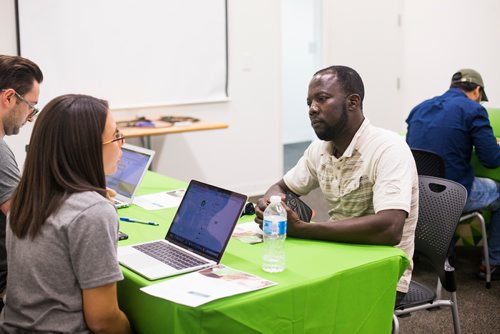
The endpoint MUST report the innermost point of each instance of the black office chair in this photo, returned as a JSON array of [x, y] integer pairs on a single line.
[[441, 203], [428, 163], [431, 164]]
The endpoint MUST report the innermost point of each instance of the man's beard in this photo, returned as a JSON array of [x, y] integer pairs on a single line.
[[335, 130]]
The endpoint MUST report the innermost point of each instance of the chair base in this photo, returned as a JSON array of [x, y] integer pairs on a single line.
[[486, 254], [436, 304], [420, 297]]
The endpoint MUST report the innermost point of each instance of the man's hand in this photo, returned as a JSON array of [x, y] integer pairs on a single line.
[[262, 204], [277, 189], [293, 219], [293, 222]]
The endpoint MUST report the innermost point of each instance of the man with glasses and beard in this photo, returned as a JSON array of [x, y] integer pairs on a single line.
[[20, 79], [366, 174]]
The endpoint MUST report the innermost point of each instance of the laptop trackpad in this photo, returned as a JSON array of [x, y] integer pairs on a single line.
[[147, 265]]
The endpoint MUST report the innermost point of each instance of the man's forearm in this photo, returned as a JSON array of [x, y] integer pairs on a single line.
[[385, 228], [279, 188]]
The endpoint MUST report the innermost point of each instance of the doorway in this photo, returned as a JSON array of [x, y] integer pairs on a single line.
[[301, 57]]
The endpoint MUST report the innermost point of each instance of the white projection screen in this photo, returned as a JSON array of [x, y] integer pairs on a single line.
[[133, 53]]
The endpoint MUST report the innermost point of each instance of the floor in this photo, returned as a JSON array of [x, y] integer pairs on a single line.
[[479, 308]]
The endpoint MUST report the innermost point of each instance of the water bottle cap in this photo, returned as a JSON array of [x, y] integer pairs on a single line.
[[275, 199]]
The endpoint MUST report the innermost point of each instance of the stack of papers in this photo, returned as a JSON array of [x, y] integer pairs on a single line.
[[158, 201], [249, 233], [197, 288]]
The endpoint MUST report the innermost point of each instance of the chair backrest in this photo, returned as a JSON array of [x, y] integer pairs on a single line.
[[428, 163], [440, 206]]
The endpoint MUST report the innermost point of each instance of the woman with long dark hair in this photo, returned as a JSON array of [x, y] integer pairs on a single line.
[[62, 230]]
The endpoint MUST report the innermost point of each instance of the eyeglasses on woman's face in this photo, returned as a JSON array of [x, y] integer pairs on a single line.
[[117, 137]]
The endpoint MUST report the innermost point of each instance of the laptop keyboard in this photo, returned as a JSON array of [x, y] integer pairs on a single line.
[[170, 255]]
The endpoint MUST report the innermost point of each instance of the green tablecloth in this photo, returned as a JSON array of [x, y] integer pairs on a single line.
[[470, 234], [479, 170], [326, 288]]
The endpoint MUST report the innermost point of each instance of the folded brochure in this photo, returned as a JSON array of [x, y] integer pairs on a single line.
[[200, 287]]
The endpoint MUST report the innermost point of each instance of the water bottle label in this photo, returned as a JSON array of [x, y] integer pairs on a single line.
[[267, 227], [282, 227]]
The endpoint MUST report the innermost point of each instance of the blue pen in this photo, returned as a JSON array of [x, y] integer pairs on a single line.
[[129, 220]]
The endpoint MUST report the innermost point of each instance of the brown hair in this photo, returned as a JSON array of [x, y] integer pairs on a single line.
[[64, 157], [18, 73]]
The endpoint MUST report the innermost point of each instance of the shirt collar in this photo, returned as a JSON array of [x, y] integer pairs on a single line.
[[353, 145], [456, 91]]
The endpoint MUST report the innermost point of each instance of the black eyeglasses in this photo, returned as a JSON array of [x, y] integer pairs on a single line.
[[118, 136], [34, 110]]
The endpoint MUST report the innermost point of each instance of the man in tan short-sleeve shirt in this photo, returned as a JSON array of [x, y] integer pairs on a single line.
[[367, 174]]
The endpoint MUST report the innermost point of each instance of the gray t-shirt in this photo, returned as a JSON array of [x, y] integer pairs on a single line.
[[75, 250], [9, 179]]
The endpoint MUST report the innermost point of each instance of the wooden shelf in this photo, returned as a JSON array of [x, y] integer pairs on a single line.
[[130, 132]]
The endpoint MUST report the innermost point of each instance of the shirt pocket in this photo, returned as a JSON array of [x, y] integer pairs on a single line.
[[357, 196], [350, 185]]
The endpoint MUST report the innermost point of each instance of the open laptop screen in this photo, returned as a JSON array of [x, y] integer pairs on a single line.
[[131, 168], [206, 218]]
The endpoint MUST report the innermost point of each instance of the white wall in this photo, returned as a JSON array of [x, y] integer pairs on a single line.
[[365, 35], [443, 36], [301, 40], [8, 46], [248, 156], [419, 44], [435, 39], [7, 27]]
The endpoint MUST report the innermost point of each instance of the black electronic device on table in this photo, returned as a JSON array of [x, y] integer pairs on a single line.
[[302, 209], [122, 236]]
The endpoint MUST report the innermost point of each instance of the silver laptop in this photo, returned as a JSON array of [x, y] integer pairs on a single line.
[[125, 181], [196, 238]]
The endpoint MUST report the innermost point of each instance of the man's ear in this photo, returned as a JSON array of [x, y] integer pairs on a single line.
[[475, 94], [6, 96], [353, 101], [478, 93]]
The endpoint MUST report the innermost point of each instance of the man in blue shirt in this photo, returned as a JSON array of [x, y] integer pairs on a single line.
[[452, 125]]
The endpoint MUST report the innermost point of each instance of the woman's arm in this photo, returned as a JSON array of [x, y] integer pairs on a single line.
[[101, 311]]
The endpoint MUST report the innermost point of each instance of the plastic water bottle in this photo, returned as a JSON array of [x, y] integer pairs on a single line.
[[274, 227]]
